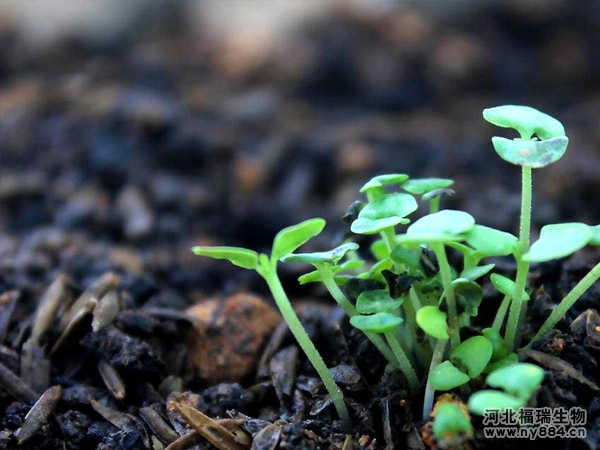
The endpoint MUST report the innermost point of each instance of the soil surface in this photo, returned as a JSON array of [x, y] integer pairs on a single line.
[[117, 158]]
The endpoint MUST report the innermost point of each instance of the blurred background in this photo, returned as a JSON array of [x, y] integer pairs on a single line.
[[130, 131]]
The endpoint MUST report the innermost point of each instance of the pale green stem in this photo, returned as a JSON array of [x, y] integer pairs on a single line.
[[501, 313], [561, 309], [313, 355], [440, 254], [350, 310], [403, 361], [512, 336], [389, 236], [436, 359], [434, 205]]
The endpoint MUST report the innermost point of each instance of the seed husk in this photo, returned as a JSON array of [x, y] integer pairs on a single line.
[[158, 425], [38, 414], [112, 379]]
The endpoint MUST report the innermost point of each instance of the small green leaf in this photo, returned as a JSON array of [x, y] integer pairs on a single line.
[[446, 376], [500, 350], [376, 301], [468, 295], [480, 401], [559, 240], [491, 242], [420, 186], [520, 380], [445, 222], [329, 257], [241, 257], [530, 153], [384, 212], [290, 238], [476, 272], [433, 322], [383, 180], [526, 120], [450, 424], [310, 277], [506, 286], [474, 354], [379, 249], [376, 323]]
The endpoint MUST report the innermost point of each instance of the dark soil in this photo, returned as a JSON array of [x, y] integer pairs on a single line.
[[117, 158]]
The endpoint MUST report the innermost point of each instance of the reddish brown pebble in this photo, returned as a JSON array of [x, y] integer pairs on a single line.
[[228, 335]]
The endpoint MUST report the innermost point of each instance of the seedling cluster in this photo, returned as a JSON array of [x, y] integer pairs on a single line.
[[419, 307]]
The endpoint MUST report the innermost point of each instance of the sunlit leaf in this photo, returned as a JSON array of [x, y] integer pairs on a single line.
[[473, 355], [241, 257], [290, 238], [520, 380], [559, 240], [526, 120], [433, 322], [446, 376], [491, 242]]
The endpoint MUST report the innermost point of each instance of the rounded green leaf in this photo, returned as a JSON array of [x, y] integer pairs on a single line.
[[491, 242], [480, 401], [329, 257], [520, 380], [290, 238], [506, 286], [241, 257], [375, 301], [559, 240], [473, 273], [386, 211], [526, 120], [468, 295], [403, 255], [383, 180], [376, 323], [473, 355], [446, 376], [445, 222], [530, 153], [500, 350], [420, 186], [433, 322], [451, 423]]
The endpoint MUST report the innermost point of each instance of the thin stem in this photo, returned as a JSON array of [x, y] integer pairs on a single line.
[[313, 355], [434, 205], [436, 359], [512, 336], [389, 236], [403, 361], [569, 300], [440, 254], [350, 310], [501, 313]]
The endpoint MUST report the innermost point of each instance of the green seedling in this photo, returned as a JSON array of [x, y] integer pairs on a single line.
[[518, 383], [451, 425], [411, 302], [285, 242]]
